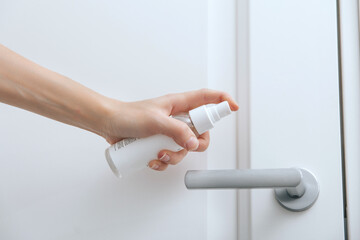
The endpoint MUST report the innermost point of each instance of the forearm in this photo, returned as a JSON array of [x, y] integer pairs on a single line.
[[27, 85]]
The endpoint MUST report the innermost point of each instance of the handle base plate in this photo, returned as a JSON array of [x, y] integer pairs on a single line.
[[304, 202]]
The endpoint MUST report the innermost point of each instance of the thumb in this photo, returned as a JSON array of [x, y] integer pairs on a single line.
[[181, 134]]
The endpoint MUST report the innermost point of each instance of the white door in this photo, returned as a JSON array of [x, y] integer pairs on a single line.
[[286, 67], [54, 179], [280, 58], [293, 113]]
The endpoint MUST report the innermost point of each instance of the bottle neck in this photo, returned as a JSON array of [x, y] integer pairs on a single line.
[[184, 117]]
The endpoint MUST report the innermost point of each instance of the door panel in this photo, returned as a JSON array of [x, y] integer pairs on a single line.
[[294, 113]]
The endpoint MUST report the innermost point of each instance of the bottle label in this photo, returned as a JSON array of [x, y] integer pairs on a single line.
[[124, 143]]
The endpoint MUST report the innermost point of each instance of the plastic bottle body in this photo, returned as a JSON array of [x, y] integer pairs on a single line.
[[126, 158], [133, 154]]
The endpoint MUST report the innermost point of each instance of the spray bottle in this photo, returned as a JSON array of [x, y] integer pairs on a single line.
[[133, 154]]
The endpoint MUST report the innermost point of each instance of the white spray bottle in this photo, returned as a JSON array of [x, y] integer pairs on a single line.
[[133, 154]]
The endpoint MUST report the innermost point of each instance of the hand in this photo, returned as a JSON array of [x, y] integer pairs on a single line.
[[150, 117], [27, 85]]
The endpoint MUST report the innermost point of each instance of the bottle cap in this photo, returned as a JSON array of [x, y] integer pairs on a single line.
[[204, 117]]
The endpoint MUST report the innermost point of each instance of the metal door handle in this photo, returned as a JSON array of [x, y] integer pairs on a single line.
[[295, 189]]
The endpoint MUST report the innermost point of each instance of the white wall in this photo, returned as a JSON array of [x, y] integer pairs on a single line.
[[54, 179]]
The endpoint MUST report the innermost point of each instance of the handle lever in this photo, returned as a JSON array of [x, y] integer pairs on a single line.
[[295, 189]]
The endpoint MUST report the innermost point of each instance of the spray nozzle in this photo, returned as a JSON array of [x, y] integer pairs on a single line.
[[204, 117]]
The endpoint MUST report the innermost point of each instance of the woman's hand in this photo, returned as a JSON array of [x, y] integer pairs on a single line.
[[29, 86], [150, 117]]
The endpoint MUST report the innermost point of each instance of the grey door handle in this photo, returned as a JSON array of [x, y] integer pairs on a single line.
[[295, 189]]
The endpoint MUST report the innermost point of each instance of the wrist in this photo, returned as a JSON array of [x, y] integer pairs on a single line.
[[93, 114], [103, 109]]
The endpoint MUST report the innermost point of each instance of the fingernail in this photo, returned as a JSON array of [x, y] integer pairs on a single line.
[[192, 144], [165, 158], [155, 166]]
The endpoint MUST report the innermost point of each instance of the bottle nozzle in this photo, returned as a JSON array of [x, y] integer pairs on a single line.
[[205, 117], [223, 109]]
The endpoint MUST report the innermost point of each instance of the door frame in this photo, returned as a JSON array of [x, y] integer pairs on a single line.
[[228, 70], [222, 218], [350, 83]]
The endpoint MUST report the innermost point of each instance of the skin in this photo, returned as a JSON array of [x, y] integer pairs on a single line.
[[26, 85]]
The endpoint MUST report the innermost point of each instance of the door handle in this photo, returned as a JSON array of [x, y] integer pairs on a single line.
[[295, 189]]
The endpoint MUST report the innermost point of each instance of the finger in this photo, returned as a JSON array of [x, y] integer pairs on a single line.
[[157, 165], [184, 102], [204, 141], [170, 157], [180, 132]]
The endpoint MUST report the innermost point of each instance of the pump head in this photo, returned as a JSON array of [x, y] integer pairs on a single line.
[[204, 117]]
